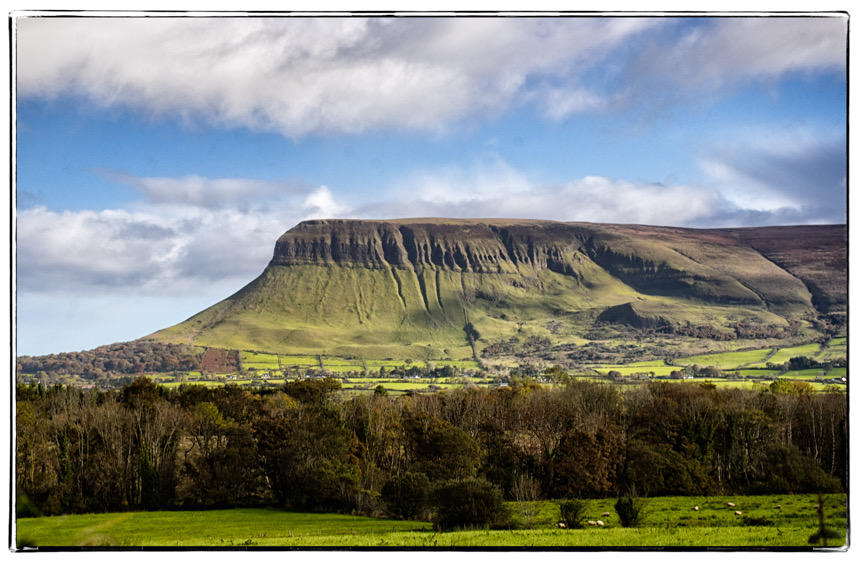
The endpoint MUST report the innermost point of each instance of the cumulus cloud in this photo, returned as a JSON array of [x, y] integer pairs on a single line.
[[158, 248], [320, 204], [315, 75], [301, 76], [493, 188]]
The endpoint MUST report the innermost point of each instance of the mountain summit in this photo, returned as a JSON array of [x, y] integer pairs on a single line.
[[453, 288]]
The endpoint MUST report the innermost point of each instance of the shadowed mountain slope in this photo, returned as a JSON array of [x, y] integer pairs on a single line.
[[439, 288]]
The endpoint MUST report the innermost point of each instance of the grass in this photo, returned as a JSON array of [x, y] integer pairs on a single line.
[[637, 368], [837, 348], [669, 522], [727, 360], [234, 527], [759, 372], [782, 355]]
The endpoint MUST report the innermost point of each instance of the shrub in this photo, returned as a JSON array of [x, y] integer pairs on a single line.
[[407, 496], [469, 503], [572, 512], [630, 511]]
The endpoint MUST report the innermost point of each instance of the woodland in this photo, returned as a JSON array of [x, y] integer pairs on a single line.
[[306, 447]]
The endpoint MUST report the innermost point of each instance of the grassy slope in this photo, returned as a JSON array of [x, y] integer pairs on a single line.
[[393, 313]]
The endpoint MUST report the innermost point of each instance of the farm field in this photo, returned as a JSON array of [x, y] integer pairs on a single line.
[[658, 367], [765, 521], [784, 355], [727, 360], [836, 348]]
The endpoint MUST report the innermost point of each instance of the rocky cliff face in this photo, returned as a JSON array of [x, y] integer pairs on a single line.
[[480, 247]]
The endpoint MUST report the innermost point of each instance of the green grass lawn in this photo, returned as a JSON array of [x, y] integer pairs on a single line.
[[668, 521]]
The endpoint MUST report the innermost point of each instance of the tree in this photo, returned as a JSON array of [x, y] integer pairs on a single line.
[[310, 457], [572, 512], [312, 391], [407, 496], [791, 387], [630, 511], [439, 449], [469, 503]]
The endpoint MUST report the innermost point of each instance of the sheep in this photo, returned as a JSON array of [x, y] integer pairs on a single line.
[[592, 522], [776, 507], [562, 525], [599, 523], [737, 513], [730, 504], [696, 508], [605, 514]]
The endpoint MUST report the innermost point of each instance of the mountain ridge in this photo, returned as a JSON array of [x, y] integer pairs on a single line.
[[373, 287]]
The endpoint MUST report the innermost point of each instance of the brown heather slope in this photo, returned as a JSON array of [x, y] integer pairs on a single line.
[[437, 288], [816, 254]]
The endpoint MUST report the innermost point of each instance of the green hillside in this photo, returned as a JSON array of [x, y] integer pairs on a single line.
[[436, 289]]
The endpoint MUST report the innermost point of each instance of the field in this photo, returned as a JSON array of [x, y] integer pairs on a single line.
[[727, 360], [783, 355], [669, 521]]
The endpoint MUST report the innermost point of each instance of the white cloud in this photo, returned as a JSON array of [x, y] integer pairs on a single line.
[[724, 52], [563, 102], [305, 75], [321, 205], [160, 249], [300, 76], [495, 189], [199, 191]]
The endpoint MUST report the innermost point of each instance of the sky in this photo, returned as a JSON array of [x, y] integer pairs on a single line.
[[158, 159]]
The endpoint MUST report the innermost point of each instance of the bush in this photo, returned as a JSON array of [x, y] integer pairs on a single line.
[[630, 511], [469, 503], [407, 496], [572, 511]]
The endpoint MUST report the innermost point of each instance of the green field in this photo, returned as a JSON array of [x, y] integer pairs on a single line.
[[658, 367], [669, 521], [727, 360], [759, 373], [837, 348], [783, 355]]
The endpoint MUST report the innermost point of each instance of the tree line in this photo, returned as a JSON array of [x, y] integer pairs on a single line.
[[306, 447], [130, 358]]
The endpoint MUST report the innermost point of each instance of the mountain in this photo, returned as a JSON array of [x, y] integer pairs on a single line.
[[448, 288]]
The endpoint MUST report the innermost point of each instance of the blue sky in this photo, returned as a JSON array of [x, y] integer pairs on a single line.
[[159, 159]]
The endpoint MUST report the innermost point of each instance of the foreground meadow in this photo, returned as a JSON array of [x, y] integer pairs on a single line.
[[779, 521]]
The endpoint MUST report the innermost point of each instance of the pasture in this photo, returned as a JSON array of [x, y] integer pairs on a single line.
[[763, 521], [727, 360]]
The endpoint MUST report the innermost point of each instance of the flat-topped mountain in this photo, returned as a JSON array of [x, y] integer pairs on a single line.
[[442, 288]]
